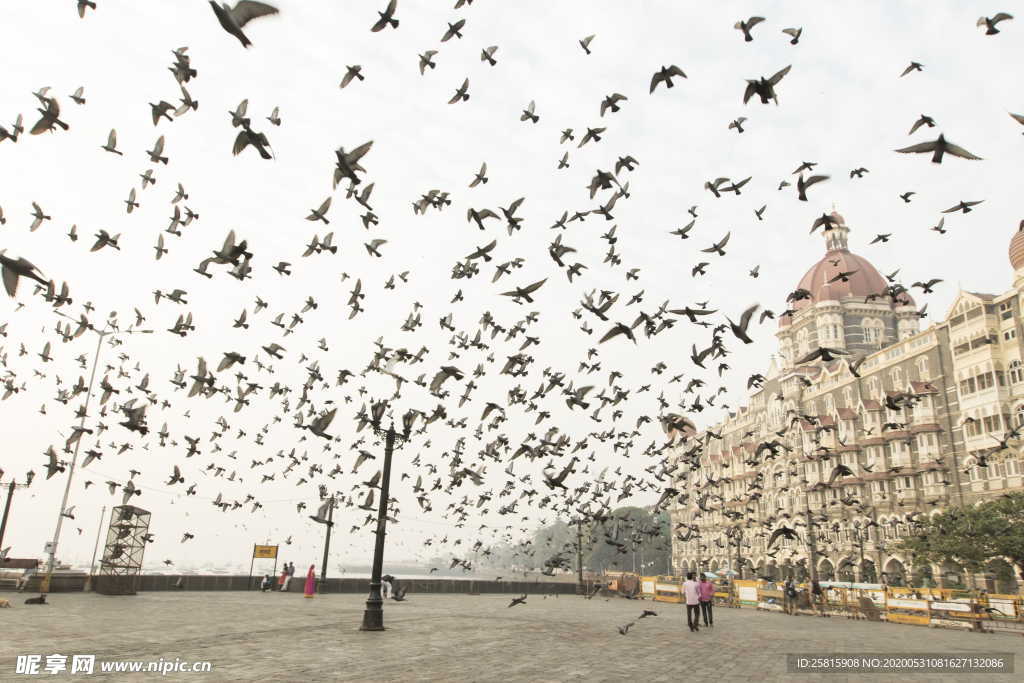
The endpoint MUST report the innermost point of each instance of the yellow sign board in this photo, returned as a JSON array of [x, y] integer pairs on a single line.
[[264, 551], [900, 618]]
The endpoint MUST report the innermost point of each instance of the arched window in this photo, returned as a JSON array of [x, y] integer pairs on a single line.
[[874, 330], [922, 368], [896, 377], [1016, 372], [830, 329], [1020, 414], [803, 342], [976, 472], [874, 388], [787, 350]]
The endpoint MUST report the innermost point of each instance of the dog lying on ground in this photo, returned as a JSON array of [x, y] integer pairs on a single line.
[[41, 600], [4, 603]]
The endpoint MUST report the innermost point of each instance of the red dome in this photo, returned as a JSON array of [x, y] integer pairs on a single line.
[[864, 281], [1017, 248]]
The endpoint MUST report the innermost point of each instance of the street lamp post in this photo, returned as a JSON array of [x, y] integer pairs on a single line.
[[327, 543], [860, 546], [738, 538], [44, 586], [812, 548], [7, 508], [373, 616], [579, 556]]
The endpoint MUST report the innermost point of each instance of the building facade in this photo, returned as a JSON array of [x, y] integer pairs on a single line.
[[910, 429]]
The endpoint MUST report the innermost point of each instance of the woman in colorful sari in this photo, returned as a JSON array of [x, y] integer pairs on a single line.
[[310, 582]]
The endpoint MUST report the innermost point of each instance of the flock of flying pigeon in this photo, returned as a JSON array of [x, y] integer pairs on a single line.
[[332, 463]]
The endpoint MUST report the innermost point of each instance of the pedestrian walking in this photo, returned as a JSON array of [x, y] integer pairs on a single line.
[[386, 585], [691, 591], [289, 572], [789, 596], [310, 588], [707, 595]]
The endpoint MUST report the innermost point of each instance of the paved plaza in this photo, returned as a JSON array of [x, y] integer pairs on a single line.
[[251, 636]]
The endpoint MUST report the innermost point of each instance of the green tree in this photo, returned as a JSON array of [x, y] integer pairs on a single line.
[[632, 537], [974, 535], [1009, 543]]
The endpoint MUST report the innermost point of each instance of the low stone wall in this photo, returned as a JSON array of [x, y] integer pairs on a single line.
[[63, 582], [197, 582]]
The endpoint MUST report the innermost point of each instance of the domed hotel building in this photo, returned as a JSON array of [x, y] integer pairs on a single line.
[[910, 428]]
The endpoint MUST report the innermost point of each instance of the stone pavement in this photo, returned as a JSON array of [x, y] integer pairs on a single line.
[[250, 636]]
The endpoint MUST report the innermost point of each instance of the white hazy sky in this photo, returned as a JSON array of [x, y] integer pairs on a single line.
[[843, 105]]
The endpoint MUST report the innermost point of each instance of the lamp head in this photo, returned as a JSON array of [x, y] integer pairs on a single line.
[[377, 413], [407, 422]]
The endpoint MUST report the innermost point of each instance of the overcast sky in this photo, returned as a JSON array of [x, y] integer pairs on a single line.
[[843, 105]]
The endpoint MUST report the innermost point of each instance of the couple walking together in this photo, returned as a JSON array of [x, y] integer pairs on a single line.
[[699, 596]]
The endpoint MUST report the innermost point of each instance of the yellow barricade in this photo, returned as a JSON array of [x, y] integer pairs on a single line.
[[647, 586], [769, 599], [746, 592], [903, 610], [668, 589], [1004, 607], [900, 605]]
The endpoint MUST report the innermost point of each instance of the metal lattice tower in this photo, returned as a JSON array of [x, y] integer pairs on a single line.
[[123, 551]]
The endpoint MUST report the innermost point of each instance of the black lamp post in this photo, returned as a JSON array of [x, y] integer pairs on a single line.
[[737, 538], [373, 616], [7, 508], [812, 546], [327, 543], [580, 589], [861, 534]]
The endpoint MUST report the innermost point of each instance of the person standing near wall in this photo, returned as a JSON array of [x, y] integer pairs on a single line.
[[310, 587], [817, 595], [691, 592]]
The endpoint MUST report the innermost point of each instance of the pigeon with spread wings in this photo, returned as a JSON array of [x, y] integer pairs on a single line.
[[525, 292], [782, 532], [938, 148], [233, 19], [13, 269], [387, 17], [665, 75], [765, 87]]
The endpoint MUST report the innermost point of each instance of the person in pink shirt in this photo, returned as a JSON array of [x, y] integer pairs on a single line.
[[691, 591], [707, 595]]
